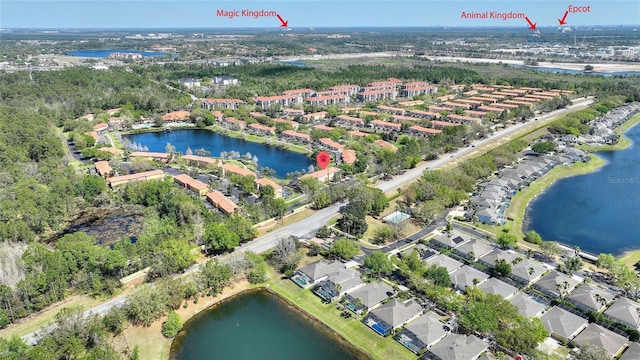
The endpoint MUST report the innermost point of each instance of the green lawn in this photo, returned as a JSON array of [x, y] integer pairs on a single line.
[[258, 139], [352, 329], [520, 201]]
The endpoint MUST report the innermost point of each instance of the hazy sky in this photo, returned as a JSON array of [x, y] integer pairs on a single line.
[[303, 13]]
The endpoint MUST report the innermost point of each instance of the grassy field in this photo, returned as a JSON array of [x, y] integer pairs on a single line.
[[631, 258], [352, 330], [520, 201]]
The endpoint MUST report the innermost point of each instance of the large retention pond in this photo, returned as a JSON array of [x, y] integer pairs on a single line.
[[599, 211], [255, 325], [278, 159]]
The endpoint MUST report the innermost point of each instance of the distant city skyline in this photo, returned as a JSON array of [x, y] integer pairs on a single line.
[[165, 14]]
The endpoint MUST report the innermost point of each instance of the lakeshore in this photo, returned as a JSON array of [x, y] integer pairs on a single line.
[[519, 204]]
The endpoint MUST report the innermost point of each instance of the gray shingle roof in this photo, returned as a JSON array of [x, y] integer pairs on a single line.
[[490, 258], [427, 328], [465, 276], [527, 270], [459, 347], [632, 352], [562, 323], [498, 287], [320, 269], [396, 312], [557, 283], [452, 241], [444, 261], [590, 297], [348, 279], [527, 306], [373, 293], [625, 311], [597, 335], [477, 247]]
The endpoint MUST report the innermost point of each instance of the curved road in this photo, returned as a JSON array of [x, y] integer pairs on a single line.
[[321, 217]]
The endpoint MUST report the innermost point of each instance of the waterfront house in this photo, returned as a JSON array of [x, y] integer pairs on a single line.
[[223, 203], [277, 189], [596, 335], [467, 276], [562, 324], [368, 296], [589, 297], [392, 315], [527, 306], [444, 261], [625, 311], [338, 284], [200, 160], [235, 169], [261, 129], [176, 116], [556, 284], [233, 123], [457, 347], [143, 176], [422, 332], [313, 273], [192, 184], [325, 175], [498, 287]]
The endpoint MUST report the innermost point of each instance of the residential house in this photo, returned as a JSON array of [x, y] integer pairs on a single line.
[[443, 124], [294, 113], [632, 352], [233, 123], [338, 284], [313, 273], [277, 189], [225, 80], [385, 126], [189, 83], [527, 271], [562, 324], [349, 121], [527, 306], [489, 259], [368, 297], [596, 335], [327, 100], [261, 129], [200, 160], [228, 169], [304, 93], [420, 131], [467, 276], [498, 287], [358, 133], [473, 249], [461, 119], [417, 88], [349, 156], [375, 94], [93, 134], [294, 125], [314, 116], [387, 317], [176, 116], [143, 176], [325, 175], [101, 127], [450, 241], [423, 114], [192, 184], [163, 157], [386, 145], [589, 297], [457, 347], [422, 332], [556, 284], [489, 216], [349, 89], [291, 135], [331, 145], [223, 203], [266, 102], [625, 311], [212, 104], [391, 110], [323, 127], [444, 261], [103, 168]]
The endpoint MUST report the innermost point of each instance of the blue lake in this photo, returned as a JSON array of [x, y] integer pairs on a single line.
[[278, 159], [256, 325], [105, 53], [599, 211]]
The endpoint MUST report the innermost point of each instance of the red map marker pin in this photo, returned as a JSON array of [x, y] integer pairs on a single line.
[[323, 159]]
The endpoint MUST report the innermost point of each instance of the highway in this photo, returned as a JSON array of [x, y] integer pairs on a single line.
[[319, 218]]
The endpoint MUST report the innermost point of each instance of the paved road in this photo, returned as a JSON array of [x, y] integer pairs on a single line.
[[321, 217]]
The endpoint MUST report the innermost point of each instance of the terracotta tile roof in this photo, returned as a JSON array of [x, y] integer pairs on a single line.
[[93, 134], [101, 126], [237, 170], [111, 150], [103, 167], [386, 124], [331, 144], [317, 115], [262, 127], [190, 182], [424, 129], [113, 111], [443, 123], [358, 133], [202, 159], [133, 177], [386, 145], [350, 119], [456, 117], [323, 127], [297, 135], [176, 115], [320, 174], [349, 156], [155, 155], [269, 182], [222, 202]]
